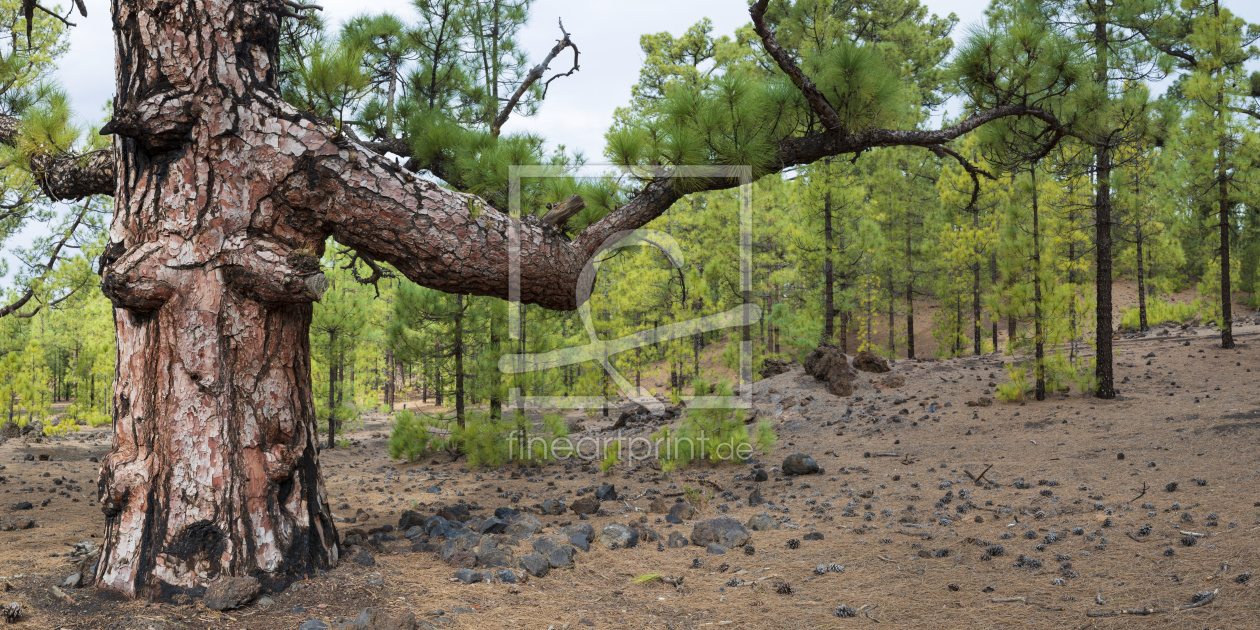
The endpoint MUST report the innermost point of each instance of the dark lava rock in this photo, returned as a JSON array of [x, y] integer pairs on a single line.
[[494, 525], [585, 505], [618, 536], [762, 522], [468, 576], [868, 361], [715, 548], [812, 536], [561, 557], [826, 363], [759, 475], [606, 492], [677, 540], [25, 505], [554, 507], [229, 593], [581, 530], [364, 558], [682, 511], [727, 532], [409, 519], [535, 564], [800, 464], [774, 367], [372, 619]]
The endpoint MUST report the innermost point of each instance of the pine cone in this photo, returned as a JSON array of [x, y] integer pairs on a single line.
[[12, 613]]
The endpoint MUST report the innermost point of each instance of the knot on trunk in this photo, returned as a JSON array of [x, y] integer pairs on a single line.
[[274, 274], [132, 281], [160, 123]]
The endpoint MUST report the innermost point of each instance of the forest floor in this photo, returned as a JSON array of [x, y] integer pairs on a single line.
[[1188, 413]]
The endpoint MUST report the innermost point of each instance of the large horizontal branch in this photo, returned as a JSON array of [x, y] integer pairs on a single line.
[[65, 176], [455, 242]]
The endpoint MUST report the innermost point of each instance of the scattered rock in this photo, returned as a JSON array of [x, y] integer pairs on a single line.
[[585, 505], [232, 592], [618, 536], [868, 361], [677, 541], [826, 363], [682, 512], [763, 522], [535, 564], [800, 464], [725, 531], [606, 492], [372, 619], [774, 367], [554, 507], [468, 576], [715, 548], [364, 558]]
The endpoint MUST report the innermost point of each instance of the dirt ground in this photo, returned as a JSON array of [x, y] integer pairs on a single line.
[[917, 552]]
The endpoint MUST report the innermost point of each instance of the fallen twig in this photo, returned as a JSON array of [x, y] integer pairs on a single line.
[[60, 594], [1195, 534], [1008, 600], [1135, 538], [977, 478], [885, 455], [1141, 494], [1151, 610]]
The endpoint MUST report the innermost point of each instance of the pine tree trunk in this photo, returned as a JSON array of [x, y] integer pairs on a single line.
[[909, 321], [1103, 354], [829, 276], [975, 290], [1227, 297], [459, 359], [1039, 347], [215, 469], [1141, 281]]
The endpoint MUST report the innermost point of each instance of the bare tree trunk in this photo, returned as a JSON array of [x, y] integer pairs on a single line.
[[975, 289], [829, 276], [459, 359], [1103, 356], [909, 321], [1039, 348]]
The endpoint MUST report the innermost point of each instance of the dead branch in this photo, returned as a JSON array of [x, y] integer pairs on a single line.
[[563, 211], [534, 75], [977, 478], [1151, 610], [1140, 494]]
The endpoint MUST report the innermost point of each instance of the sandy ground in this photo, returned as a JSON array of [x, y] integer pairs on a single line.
[[1190, 414]]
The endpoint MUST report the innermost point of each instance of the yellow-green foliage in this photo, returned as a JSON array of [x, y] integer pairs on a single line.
[[612, 456], [1160, 311], [410, 438], [712, 435], [1014, 389], [66, 426]]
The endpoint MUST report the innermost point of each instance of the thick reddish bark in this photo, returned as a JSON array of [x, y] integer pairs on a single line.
[[214, 470]]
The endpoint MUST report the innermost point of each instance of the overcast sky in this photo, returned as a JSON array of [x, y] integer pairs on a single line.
[[578, 109]]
